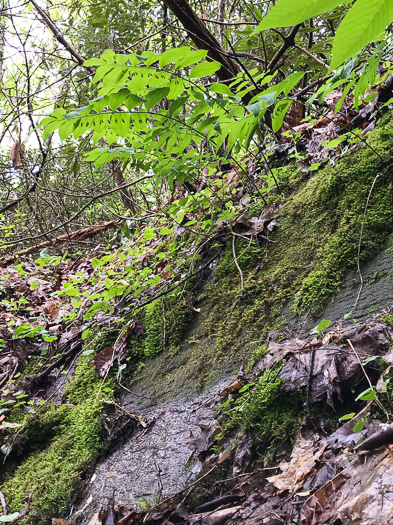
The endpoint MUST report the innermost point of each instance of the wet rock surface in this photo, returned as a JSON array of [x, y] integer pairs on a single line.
[[155, 460]]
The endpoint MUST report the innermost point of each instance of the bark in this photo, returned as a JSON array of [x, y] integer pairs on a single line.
[[202, 37], [220, 18], [120, 181]]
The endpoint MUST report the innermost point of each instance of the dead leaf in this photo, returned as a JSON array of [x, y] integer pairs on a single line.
[[95, 519], [137, 329], [103, 361], [16, 154]]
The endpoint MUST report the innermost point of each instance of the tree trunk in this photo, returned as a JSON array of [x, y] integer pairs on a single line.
[[202, 37], [119, 180]]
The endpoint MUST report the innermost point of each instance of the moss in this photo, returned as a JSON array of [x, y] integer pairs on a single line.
[[63, 441], [316, 243], [388, 319], [85, 382], [172, 311], [273, 416]]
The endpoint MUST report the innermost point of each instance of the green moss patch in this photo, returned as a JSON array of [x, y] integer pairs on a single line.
[[316, 243], [63, 442]]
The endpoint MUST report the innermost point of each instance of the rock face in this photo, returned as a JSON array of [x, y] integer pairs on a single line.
[[157, 460], [375, 295]]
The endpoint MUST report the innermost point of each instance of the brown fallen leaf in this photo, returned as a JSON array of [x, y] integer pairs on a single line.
[[16, 154], [95, 519]]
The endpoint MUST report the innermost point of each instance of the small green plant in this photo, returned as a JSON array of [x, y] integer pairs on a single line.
[[349, 316], [321, 327]]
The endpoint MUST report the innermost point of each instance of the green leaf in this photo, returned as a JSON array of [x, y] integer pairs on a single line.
[[132, 101], [66, 129], [117, 99], [323, 325], [347, 416], [225, 404], [173, 55], [204, 69], [223, 89], [367, 395], [246, 387], [85, 334], [292, 12], [255, 108], [155, 96], [97, 262], [176, 104], [34, 285], [102, 71], [22, 330], [364, 23], [72, 291], [94, 62], [358, 427], [370, 359], [279, 112], [149, 234], [191, 58], [101, 305]]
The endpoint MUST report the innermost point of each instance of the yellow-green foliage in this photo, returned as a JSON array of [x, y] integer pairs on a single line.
[[62, 441], [342, 193]]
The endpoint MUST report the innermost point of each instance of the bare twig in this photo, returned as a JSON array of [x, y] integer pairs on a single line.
[[59, 37], [361, 238], [237, 264], [163, 325], [3, 504], [222, 23], [368, 379]]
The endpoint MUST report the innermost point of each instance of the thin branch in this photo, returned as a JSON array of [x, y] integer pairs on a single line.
[[59, 37], [220, 23], [361, 238], [313, 57], [289, 41], [99, 196], [237, 265]]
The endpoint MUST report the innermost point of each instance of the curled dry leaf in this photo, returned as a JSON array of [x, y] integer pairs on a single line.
[[16, 154]]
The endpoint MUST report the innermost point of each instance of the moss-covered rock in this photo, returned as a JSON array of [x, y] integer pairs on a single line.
[[63, 441]]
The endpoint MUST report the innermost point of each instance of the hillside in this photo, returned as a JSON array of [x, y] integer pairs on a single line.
[[195, 266]]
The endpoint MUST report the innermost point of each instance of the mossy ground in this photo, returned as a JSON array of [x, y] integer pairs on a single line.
[[316, 243], [272, 416]]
